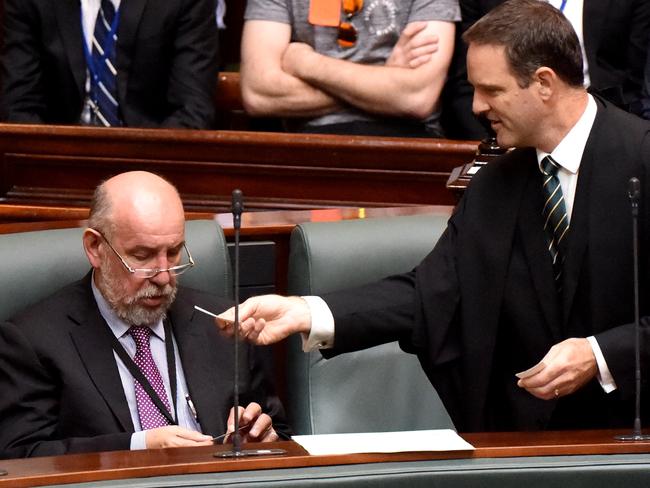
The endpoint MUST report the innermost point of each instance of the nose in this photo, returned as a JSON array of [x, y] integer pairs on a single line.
[[162, 278], [479, 106]]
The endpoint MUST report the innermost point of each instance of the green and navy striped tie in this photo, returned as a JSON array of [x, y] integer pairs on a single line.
[[556, 220]]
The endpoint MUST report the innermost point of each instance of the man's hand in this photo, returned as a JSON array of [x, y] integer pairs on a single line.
[[267, 319], [413, 48], [175, 436], [568, 366], [254, 425]]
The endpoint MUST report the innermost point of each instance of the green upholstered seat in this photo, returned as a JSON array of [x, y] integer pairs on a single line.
[[378, 389]]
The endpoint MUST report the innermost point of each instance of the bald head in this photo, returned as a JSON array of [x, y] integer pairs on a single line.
[[136, 200]]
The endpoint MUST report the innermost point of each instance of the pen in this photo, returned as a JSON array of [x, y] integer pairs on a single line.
[[211, 314], [190, 404]]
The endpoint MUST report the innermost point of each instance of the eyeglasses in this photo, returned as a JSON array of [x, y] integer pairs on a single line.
[[151, 272], [347, 36]]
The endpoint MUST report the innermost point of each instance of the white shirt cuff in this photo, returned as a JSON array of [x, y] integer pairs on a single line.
[[604, 376], [321, 334], [138, 440]]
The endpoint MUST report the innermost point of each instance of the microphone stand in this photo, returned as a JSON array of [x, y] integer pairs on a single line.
[[634, 193], [237, 452]]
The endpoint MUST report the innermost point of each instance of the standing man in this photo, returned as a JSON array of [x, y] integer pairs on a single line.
[[377, 69], [119, 360], [613, 35], [134, 63], [534, 272]]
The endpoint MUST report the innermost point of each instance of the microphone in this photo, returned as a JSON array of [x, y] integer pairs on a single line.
[[237, 208], [634, 192]]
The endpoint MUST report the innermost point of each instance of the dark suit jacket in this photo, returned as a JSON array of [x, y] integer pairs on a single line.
[[61, 389], [616, 34], [166, 62], [483, 305]]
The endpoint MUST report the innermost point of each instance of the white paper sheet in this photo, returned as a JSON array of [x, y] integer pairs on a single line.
[[409, 441]]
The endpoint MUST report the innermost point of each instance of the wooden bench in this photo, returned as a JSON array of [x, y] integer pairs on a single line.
[[49, 172]]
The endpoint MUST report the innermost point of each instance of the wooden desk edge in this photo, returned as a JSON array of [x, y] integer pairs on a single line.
[[78, 468]]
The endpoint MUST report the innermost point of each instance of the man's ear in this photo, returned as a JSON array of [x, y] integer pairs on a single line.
[[91, 241], [546, 80]]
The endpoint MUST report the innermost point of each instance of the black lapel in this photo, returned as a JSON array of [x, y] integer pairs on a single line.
[[130, 17], [68, 16], [531, 227], [92, 341], [207, 384], [579, 231]]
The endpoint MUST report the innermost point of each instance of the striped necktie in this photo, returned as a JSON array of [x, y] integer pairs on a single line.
[[103, 83], [556, 220]]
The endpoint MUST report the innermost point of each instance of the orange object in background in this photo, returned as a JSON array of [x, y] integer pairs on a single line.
[[325, 12]]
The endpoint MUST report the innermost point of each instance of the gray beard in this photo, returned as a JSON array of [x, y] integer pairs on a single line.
[[127, 308]]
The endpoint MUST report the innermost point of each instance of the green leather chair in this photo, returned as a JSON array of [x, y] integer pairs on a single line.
[[379, 389], [36, 264]]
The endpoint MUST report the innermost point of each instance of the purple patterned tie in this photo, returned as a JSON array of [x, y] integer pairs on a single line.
[[150, 416]]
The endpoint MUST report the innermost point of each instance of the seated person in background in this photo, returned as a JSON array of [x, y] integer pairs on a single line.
[[140, 63], [379, 72], [613, 36], [68, 365], [515, 284]]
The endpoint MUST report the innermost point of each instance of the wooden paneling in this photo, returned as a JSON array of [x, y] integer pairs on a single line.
[[47, 169]]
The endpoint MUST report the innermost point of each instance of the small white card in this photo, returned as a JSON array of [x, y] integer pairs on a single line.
[[531, 371], [373, 442]]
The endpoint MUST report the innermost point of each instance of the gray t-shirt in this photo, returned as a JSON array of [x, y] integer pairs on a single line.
[[378, 26]]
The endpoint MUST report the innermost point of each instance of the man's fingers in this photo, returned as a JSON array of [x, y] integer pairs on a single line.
[[413, 29]]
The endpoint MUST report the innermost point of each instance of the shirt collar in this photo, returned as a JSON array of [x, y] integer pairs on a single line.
[[116, 324], [568, 153]]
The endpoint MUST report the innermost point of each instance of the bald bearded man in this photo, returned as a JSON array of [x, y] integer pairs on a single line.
[[69, 366]]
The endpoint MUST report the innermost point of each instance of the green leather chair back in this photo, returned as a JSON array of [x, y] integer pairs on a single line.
[[379, 389], [36, 264]]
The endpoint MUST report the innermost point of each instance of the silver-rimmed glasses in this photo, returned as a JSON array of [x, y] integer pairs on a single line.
[[151, 272]]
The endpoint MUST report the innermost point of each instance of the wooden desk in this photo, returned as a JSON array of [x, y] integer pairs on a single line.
[[49, 172], [183, 461]]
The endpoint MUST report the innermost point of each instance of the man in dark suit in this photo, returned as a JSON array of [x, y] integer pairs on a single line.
[[533, 275], [615, 36], [69, 365], [165, 62]]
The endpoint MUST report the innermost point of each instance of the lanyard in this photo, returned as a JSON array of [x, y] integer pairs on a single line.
[[108, 48], [140, 378], [563, 5]]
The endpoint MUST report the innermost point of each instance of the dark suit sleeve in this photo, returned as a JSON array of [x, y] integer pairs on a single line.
[[618, 343], [30, 405], [193, 70], [23, 96]]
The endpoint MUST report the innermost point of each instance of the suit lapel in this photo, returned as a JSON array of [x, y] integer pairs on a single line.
[[94, 346], [531, 227], [206, 386], [578, 231], [130, 17], [68, 16]]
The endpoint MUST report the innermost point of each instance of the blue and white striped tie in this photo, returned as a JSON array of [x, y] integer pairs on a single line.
[[103, 84], [556, 220]]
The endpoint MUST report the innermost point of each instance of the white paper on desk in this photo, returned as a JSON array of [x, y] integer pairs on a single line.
[[408, 441]]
